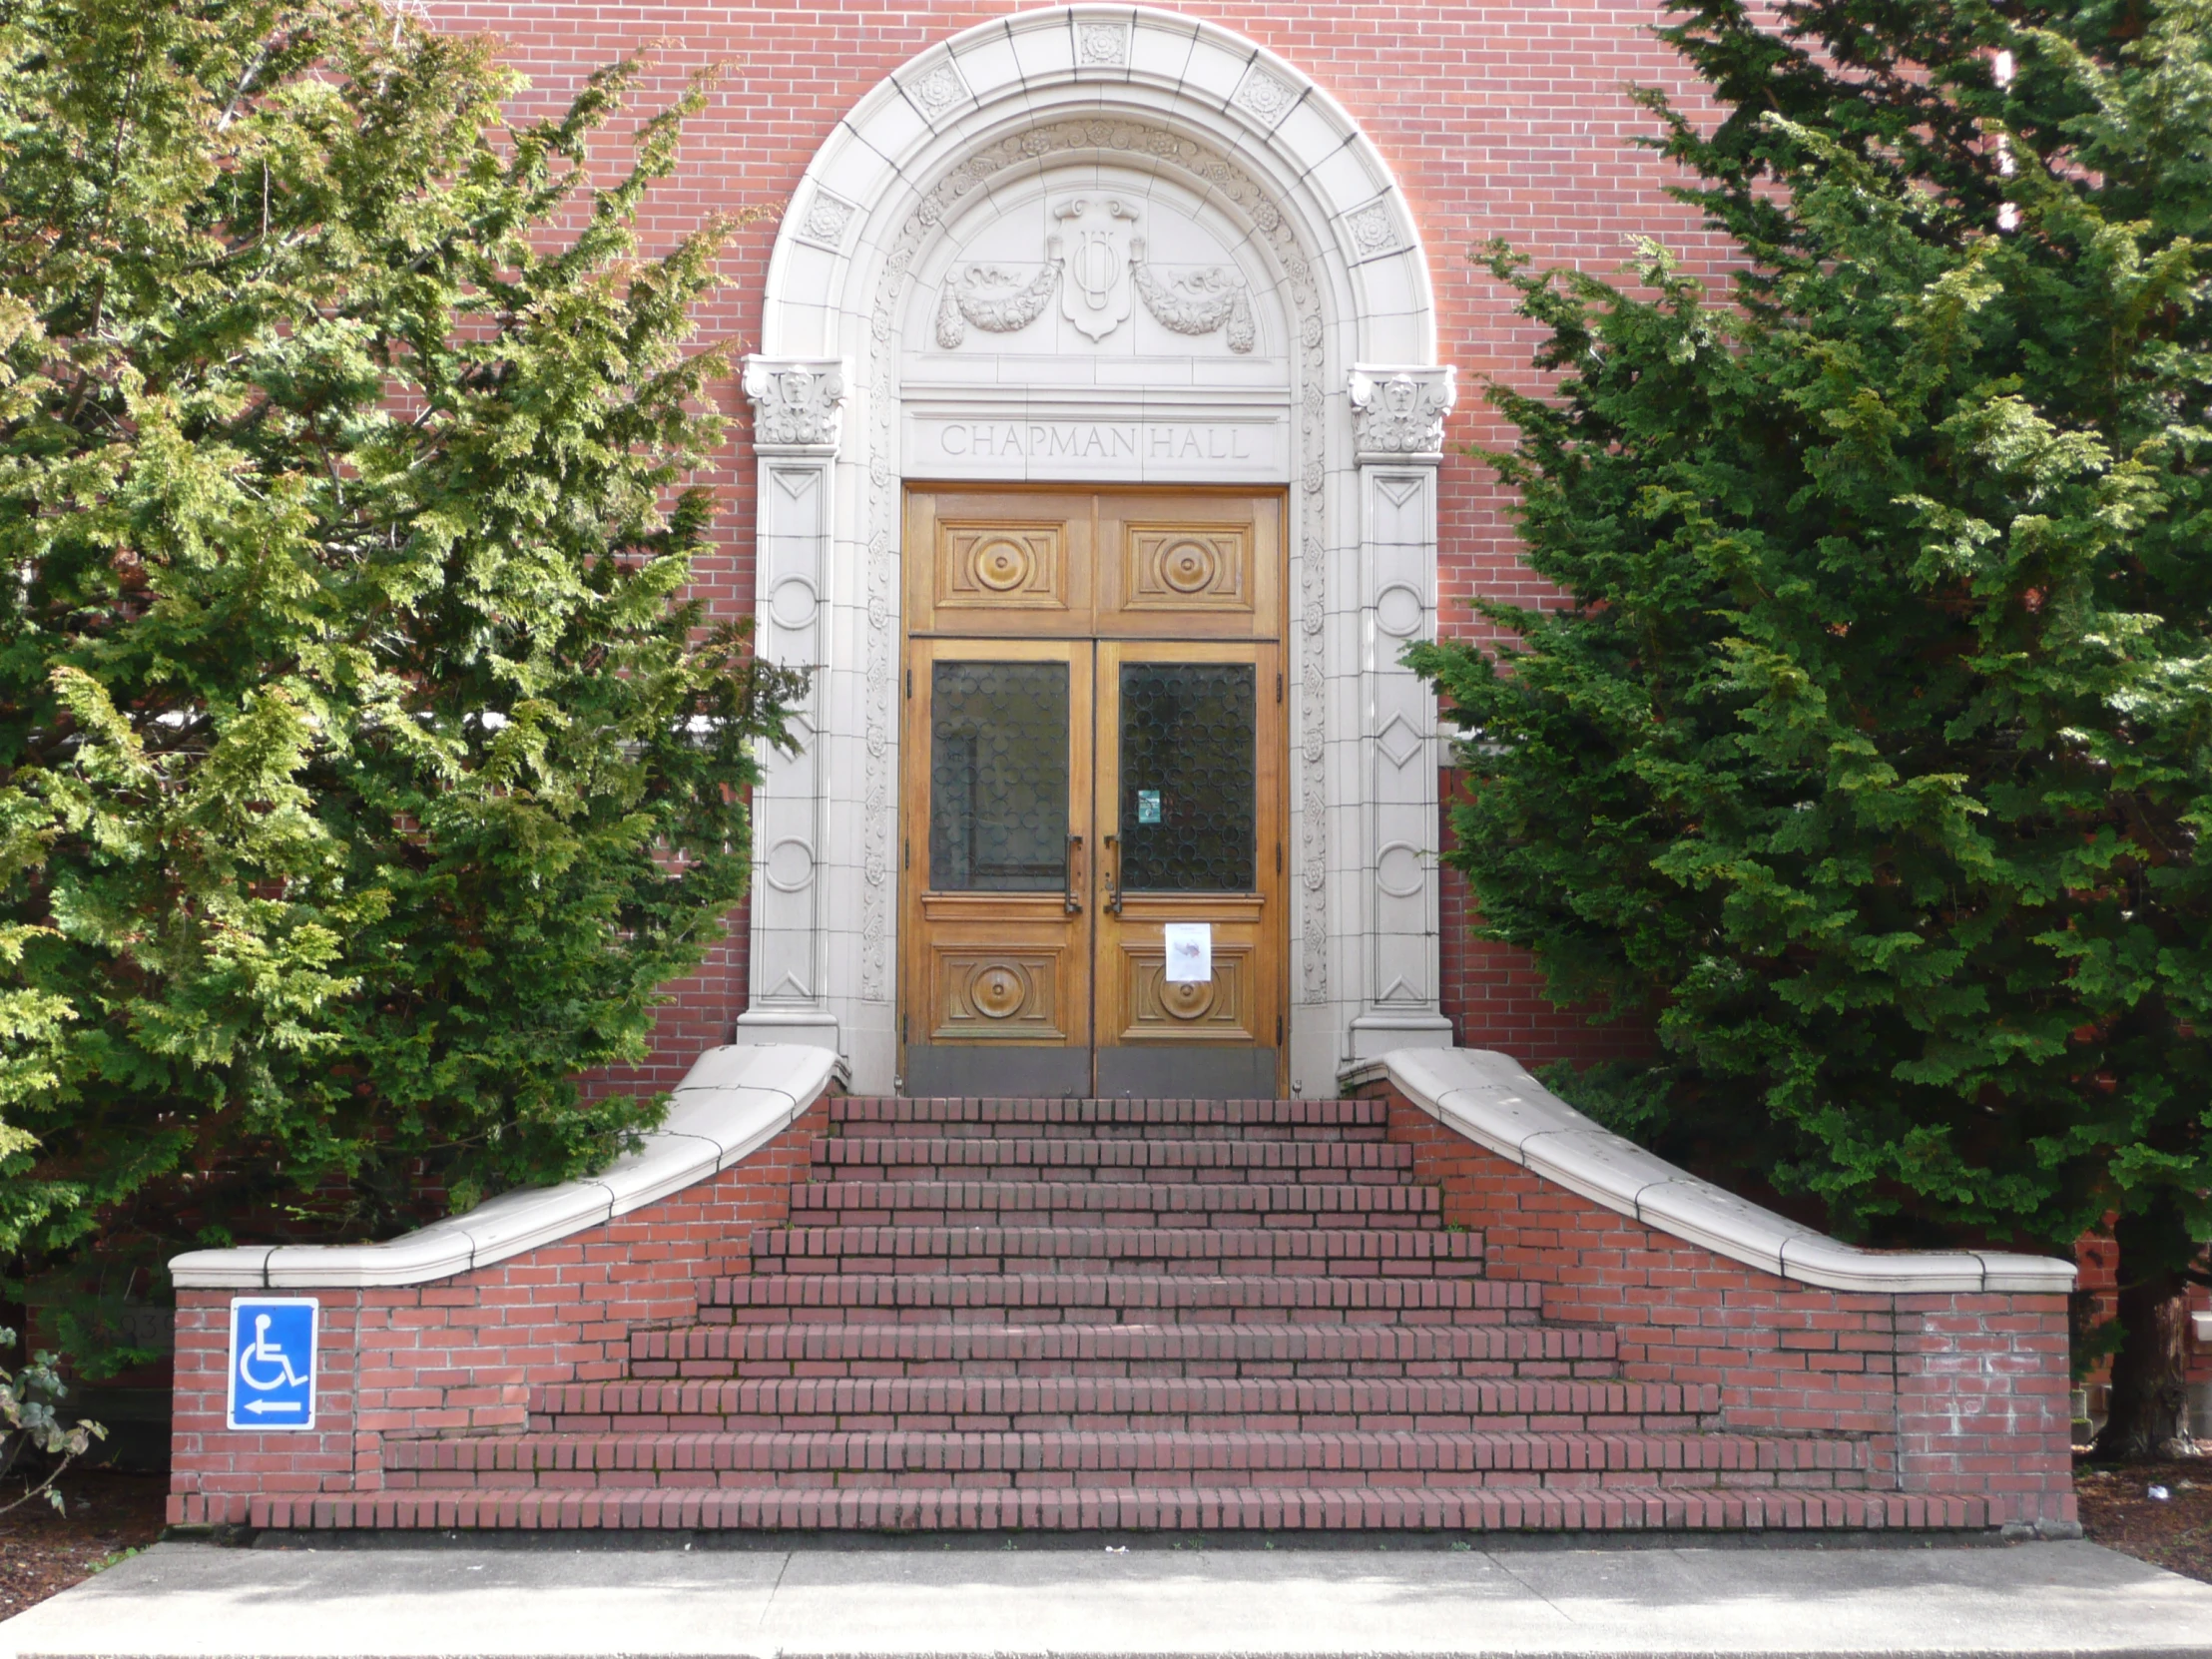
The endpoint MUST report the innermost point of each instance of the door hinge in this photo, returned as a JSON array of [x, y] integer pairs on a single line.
[[902, 1028], [1278, 1030], [1278, 858], [1278, 685], [907, 855], [911, 687]]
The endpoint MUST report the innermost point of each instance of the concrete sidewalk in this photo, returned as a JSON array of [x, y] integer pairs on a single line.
[[201, 1602]]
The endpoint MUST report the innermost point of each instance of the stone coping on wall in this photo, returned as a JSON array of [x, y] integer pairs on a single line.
[[1492, 1100], [731, 1102]]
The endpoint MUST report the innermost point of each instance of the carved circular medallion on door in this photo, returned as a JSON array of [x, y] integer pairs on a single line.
[[1001, 565], [1190, 1000], [998, 990], [1188, 566]]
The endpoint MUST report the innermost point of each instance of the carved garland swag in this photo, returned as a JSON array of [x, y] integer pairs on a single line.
[[1000, 302]]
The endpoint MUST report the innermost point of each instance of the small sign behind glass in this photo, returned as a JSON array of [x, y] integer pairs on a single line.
[[1148, 806]]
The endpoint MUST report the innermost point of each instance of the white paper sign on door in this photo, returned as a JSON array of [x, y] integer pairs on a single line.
[[1190, 952]]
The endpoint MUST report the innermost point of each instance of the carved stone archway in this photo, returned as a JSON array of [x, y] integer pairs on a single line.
[[1251, 160]]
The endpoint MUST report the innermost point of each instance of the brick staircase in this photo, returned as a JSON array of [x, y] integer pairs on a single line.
[[1127, 1315]]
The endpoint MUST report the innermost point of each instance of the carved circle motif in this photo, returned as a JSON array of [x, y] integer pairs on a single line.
[[1000, 565], [1188, 566], [791, 603], [1398, 870], [791, 866], [998, 990], [1192, 999], [1397, 610]]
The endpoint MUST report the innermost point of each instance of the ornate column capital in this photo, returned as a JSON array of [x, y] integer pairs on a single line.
[[797, 404], [1398, 413]]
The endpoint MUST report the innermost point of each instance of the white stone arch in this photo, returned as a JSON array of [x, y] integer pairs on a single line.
[[992, 109]]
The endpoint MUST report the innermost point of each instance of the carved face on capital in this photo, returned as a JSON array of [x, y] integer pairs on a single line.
[[1399, 395]]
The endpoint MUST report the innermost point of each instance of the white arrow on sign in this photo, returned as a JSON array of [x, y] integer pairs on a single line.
[[271, 1406]]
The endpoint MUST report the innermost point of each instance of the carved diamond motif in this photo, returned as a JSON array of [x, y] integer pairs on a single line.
[[1399, 742]]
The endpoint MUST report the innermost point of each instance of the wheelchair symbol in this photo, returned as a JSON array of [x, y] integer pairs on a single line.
[[273, 1362], [261, 1348]]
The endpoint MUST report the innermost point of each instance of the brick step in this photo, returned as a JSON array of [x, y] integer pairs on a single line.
[[1367, 1252], [1105, 1298], [1092, 1456], [1358, 1507], [935, 1158], [1074, 1350], [1102, 1203], [1008, 1403], [1366, 1120]]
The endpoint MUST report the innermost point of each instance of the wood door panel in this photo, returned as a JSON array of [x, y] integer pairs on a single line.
[[997, 992], [1200, 568], [986, 563], [1189, 566], [992, 566], [1221, 1010]]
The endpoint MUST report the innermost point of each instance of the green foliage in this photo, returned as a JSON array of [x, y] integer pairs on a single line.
[[362, 769], [29, 1422], [1869, 751]]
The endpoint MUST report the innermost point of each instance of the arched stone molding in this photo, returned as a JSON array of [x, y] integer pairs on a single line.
[[1273, 173]]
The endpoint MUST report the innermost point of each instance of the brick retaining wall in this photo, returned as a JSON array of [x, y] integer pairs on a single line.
[[1961, 1394], [462, 1355]]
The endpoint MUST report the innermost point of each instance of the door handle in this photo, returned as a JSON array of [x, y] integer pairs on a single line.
[[1076, 875], [1109, 872]]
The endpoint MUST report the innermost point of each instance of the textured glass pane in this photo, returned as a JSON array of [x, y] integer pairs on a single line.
[[1187, 780], [998, 777]]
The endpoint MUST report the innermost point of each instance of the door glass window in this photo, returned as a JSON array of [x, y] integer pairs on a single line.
[[998, 777], [1189, 787]]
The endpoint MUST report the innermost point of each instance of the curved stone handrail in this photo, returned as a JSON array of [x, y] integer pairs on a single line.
[[731, 1102], [1495, 1102]]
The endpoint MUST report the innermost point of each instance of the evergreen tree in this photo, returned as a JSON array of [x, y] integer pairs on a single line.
[[364, 769], [1869, 754]]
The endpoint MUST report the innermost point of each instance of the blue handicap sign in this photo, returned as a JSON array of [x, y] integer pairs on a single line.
[[273, 1341]]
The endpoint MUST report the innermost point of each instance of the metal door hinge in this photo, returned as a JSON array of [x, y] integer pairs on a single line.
[[1278, 1030], [907, 850], [911, 686], [902, 1027], [1278, 685]]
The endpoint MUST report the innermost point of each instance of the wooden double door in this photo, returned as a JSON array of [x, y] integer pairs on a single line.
[[1094, 773]]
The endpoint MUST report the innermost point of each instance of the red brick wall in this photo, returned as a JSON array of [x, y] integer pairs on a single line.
[[463, 1352], [1498, 120], [1962, 1396]]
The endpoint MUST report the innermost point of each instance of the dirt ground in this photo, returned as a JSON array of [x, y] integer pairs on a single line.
[[42, 1554], [109, 1515], [2174, 1532]]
